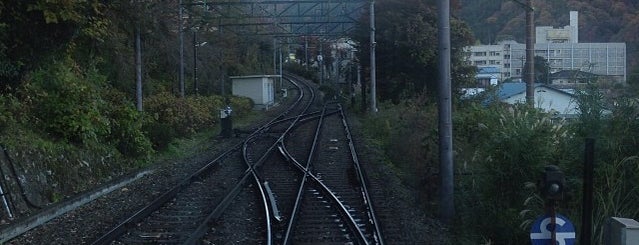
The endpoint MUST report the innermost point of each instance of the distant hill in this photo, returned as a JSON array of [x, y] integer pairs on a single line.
[[599, 21]]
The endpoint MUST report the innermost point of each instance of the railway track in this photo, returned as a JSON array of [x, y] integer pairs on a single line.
[[332, 204], [296, 179]]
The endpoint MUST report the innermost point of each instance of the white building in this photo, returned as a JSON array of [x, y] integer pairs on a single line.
[[547, 98], [259, 88], [567, 34], [486, 55], [560, 48]]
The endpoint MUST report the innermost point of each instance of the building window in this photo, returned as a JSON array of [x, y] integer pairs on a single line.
[[479, 53], [507, 56], [506, 65]]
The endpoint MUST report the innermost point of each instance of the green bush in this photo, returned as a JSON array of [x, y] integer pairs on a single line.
[[499, 154], [127, 124], [171, 117], [408, 134], [616, 178], [66, 103], [503, 150], [174, 117], [79, 107], [10, 111], [160, 134], [241, 105]]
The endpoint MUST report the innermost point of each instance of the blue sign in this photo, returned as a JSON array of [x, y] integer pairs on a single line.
[[541, 231]]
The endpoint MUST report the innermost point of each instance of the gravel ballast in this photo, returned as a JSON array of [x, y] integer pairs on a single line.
[[402, 222]]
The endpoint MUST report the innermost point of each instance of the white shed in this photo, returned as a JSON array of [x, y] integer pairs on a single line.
[[259, 88]]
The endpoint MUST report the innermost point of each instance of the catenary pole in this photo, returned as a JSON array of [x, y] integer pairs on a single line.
[[181, 78], [530, 53], [306, 51], [588, 179], [281, 66], [447, 205], [138, 68], [373, 72], [195, 44], [321, 62]]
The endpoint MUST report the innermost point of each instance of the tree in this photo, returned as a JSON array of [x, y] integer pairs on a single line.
[[406, 36], [33, 30], [542, 70]]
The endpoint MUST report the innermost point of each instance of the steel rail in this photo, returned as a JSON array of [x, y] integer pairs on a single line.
[[363, 180], [280, 141], [217, 212], [122, 227], [265, 201], [219, 209], [259, 183], [300, 191], [118, 230], [327, 191]]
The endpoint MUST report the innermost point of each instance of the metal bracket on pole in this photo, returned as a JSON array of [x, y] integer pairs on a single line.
[[527, 7]]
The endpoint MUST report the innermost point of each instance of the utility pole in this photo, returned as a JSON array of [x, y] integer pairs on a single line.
[[195, 44], [274, 56], [529, 76], [586, 210], [447, 204], [321, 62], [373, 73], [222, 75], [281, 66], [181, 78], [530, 53], [138, 67], [306, 51]]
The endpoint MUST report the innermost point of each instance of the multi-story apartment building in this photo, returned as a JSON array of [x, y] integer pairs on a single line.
[[560, 48]]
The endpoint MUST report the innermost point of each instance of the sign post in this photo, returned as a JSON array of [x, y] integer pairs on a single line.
[[543, 229]]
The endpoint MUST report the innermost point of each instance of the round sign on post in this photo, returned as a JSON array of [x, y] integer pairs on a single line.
[[541, 231]]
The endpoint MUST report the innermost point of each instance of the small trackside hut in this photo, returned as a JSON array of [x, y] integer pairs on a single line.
[[259, 88]]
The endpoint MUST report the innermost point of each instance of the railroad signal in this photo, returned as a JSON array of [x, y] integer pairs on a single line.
[[553, 183]]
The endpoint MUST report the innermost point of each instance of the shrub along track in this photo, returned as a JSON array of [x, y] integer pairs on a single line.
[[87, 223]]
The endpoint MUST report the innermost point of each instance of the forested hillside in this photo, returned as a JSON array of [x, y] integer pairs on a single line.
[[69, 79], [599, 21]]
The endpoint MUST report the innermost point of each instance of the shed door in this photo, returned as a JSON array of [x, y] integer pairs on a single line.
[[269, 92]]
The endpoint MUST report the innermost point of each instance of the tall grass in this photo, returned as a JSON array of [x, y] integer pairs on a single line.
[[499, 155]]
